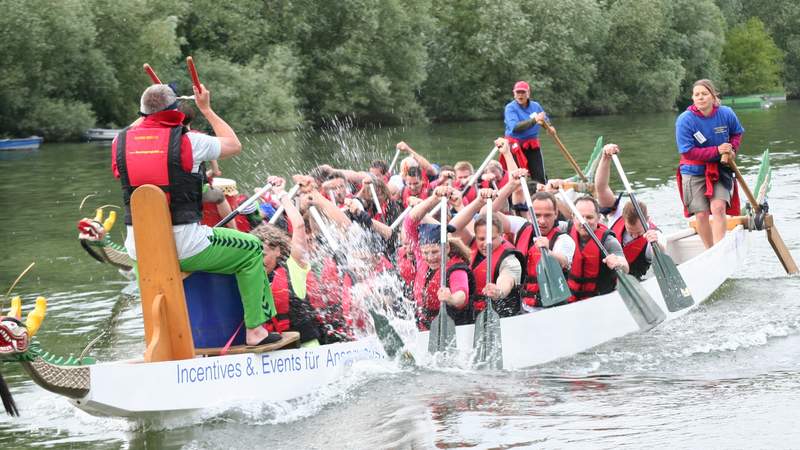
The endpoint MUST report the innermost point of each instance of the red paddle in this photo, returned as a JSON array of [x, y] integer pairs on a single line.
[[149, 71], [193, 73]]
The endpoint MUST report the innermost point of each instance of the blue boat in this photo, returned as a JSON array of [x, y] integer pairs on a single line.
[[28, 143]]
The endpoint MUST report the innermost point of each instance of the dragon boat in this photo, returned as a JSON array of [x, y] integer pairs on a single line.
[[188, 319]]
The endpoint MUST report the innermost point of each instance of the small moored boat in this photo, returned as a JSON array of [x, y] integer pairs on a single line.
[[28, 143], [101, 134]]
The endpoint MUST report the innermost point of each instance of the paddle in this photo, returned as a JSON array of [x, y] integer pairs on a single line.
[[673, 287], [480, 170], [193, 73], [389, 337], [565, 152], [394, 160], [487, 341], [244, 205], [400, 218], [774, 238], [375, 198], [442, 336], [642, 307], [149, 71], [281, 209], [553, 289]]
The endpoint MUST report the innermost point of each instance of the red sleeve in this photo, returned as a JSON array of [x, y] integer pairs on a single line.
[[459, 282], [703, 154], [736, 140], [412, 234]]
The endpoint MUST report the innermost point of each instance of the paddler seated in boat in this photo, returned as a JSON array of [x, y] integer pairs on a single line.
[[553, 237], [625, 221], [427, 292], [287, 267], [335, 188], [137, 160], [507, 262], [419, 178], [380, 169], [590, 274], [706, 133]]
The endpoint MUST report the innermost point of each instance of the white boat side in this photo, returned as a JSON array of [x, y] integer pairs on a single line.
[[553, 333], [137, 389]]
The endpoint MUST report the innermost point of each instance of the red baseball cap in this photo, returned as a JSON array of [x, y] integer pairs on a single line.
[[521, 86]]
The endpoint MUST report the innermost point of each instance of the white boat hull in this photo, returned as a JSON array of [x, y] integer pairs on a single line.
[[136, 389]]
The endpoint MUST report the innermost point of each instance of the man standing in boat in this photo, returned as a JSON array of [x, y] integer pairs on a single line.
[[522, 131], [157, 150]]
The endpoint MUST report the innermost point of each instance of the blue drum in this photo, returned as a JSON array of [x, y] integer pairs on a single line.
[[215, 309]]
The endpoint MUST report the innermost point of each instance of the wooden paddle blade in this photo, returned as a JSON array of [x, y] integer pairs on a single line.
[[389, 337], [487, 341], [673, 287], [642, 307], [776, 241], [442, 336], [553, 289]]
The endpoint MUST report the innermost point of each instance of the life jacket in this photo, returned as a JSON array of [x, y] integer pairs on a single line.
[[329, 294], [157, 151], [635, 250], [508, 306], [517, 147], [427, 301], [530, 290], [405, 194], [293, 312], [588, 276]]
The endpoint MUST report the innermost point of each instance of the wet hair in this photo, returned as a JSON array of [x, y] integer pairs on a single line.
[[273, 236], [380, 165], [188, 110], [414, 172], [629, 212], [590, 199], [497, 222], [157, 97], [464, 165], [320, 174], [545, 196], [334, 175], [706, 83]]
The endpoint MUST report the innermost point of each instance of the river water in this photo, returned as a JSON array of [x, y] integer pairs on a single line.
[[725, 376]]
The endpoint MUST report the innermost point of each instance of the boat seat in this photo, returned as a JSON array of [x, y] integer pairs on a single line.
[[289, 339]]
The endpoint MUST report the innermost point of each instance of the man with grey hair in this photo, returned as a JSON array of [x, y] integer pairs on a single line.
[[158, 150]]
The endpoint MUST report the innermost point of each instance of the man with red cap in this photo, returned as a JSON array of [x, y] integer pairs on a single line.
[[522, 131]]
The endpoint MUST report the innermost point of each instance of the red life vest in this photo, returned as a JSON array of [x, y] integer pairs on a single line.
[[635, 250], [157, 151], [587, 273], [329, 294], [517, 147], [406, 194], [426, 288], [530, 292], [211, 215], [293, 312], [281, 291], [508, 306]]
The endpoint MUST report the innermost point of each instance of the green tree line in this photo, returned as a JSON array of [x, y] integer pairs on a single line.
[[69, 65]]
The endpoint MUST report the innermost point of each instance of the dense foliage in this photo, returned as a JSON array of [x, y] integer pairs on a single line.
[[280, 64]]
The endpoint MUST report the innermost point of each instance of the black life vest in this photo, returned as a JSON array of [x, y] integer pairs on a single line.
[[293, 312]]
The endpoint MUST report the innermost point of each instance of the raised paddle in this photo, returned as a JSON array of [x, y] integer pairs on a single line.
[[487, 341], [642, 307], [193, 73], [394, 160], [151, 73], [553, 289], [281, 209], [774, 238], [442, 336], [673, 287], [375, 198], [480, 170], [244, 205], [400, 218], [564, 151]]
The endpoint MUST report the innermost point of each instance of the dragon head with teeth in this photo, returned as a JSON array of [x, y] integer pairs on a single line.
[[14, 337]]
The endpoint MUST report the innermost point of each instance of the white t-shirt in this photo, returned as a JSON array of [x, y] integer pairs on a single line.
[[190, 238]]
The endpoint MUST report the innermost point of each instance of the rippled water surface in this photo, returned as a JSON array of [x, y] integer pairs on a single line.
[[725, 376]]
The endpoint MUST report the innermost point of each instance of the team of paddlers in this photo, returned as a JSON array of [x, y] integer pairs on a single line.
[[310, 259]]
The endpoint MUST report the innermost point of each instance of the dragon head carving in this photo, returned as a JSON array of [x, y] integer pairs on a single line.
[[14, 337]]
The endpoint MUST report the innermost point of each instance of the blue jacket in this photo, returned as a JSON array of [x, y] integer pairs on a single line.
[[692, 128], [514, 114]]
